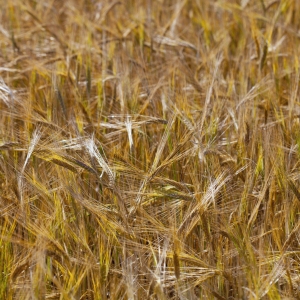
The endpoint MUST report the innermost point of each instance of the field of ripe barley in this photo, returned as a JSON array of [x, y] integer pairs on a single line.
[[149, 149]]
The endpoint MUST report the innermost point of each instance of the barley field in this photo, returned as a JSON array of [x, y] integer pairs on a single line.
[[149, 149]]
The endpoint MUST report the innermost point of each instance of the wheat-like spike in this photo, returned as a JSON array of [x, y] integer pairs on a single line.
[[33, 143], [193, 215], [277, 272], [209, 93], [94, 152], [128, 124], [154, 164], [6, 93]]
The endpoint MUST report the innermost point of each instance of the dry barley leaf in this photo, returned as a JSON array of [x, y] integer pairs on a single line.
[[80, 164], [64, 164], [173, 42], [8, 145], [58, 160]]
